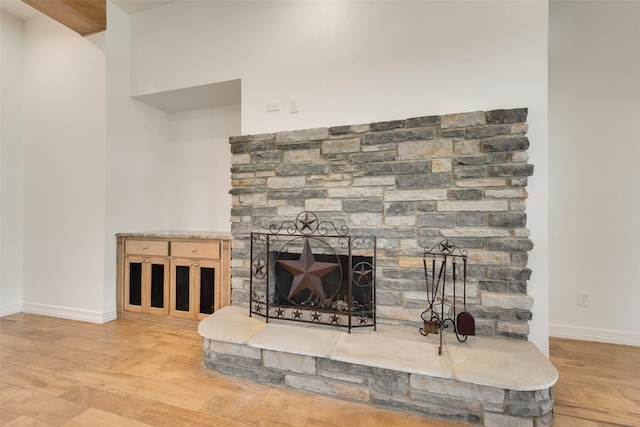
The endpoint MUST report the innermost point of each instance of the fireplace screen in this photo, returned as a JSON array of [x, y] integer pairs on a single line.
[[313, 271]]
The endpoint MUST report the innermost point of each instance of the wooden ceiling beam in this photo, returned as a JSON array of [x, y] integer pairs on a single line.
[[85, 17]]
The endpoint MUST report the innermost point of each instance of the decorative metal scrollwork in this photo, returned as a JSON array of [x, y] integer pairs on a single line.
[[307, 221], [306, 224], [312, 270], [259, 268], [362, 274]]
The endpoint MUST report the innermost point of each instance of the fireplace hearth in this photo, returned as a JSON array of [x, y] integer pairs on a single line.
[[485, 382]]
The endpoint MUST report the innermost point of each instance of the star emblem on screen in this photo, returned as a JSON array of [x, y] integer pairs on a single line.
[[307, 272], [307, 222], [362, 274]]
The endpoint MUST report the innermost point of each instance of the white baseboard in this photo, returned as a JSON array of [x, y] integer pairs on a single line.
[[594, 334], [7, 310], [69, 313]]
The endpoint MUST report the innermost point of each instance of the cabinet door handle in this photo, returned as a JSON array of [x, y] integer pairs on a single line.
[[144, 248], [193, 250]]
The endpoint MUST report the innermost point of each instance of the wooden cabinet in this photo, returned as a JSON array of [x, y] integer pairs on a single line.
[[146, 284], [202, 250], [193, 288], [195, 271], [146, 276], [170, 279]]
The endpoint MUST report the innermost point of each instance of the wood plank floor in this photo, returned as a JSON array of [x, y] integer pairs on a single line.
[[57, 372], [599, 384]]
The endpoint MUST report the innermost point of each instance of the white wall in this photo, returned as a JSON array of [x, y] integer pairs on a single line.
[[136, 154], [594, 106], [93, 162], [347, 62], [163, 170], [64, 171], [198, 168], [11, 165], [355, 62]]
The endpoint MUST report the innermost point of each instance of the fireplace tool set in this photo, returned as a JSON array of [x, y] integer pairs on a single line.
[[441, 312]]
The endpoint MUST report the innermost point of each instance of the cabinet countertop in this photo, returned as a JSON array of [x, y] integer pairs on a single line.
[[178, 234]]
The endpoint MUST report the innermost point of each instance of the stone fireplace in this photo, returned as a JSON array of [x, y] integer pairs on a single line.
[[411, 183]]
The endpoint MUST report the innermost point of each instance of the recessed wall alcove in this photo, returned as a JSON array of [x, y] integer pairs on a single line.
[[195, 125]]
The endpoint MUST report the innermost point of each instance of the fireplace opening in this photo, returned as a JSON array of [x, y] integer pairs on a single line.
[[332, 283]]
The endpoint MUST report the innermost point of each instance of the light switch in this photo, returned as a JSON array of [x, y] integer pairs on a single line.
[[293, 105]]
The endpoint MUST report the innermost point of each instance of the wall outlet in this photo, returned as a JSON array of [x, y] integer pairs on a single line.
[[34, 281], [583, 299]]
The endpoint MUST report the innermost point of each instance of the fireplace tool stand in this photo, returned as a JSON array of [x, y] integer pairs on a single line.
[[441, 311]]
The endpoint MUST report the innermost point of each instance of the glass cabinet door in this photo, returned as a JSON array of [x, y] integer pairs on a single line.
[[133, 267], [182, 295], [157, 286], [207, 287], [146, 284], [157, 292], [195, 288]]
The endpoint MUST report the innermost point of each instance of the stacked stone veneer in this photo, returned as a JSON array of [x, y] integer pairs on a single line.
[[411, 183]]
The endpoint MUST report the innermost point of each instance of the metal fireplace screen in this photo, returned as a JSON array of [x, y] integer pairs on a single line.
[[313, 271]]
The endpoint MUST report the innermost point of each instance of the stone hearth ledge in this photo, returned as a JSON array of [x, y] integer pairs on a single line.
[[493, 362], [498, 364]]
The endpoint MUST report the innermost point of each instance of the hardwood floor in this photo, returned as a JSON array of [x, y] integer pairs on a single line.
[[57, 372], [599, 384]]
